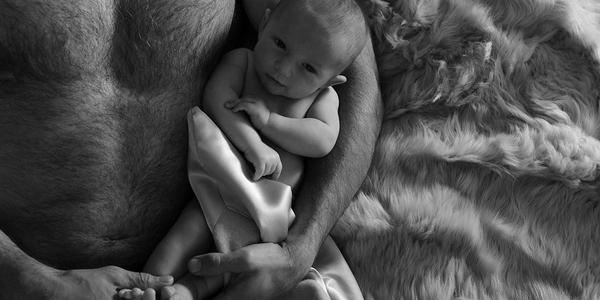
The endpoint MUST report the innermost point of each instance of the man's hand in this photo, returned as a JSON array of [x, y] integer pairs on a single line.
[[104, 283], [259, 271], [265, 160], [256, 110]]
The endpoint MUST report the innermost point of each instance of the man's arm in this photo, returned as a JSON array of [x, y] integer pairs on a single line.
[[23, 277], [331, 182]]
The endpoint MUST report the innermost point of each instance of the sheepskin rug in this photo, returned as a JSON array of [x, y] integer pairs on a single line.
[[485, 179]]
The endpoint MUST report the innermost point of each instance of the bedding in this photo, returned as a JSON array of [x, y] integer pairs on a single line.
[[484, 183]]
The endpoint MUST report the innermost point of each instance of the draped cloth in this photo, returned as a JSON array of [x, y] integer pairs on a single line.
[[240, 211]]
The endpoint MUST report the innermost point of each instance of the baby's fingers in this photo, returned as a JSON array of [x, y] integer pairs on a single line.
[[231, 104], [259, 171], [243, 106], [239, 105], [273, 170], [277, 171]]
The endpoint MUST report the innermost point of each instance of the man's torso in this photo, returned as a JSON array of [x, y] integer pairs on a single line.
[[92, 124]]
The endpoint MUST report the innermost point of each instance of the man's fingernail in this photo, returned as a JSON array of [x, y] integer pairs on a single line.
[[165, 280], [194, 265]]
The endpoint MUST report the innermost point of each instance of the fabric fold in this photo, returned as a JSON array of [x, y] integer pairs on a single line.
[[220, 179]]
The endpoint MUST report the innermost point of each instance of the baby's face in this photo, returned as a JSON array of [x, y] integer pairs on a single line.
[[295, 56]]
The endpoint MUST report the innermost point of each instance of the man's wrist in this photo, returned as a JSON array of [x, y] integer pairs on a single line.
[[35, 282], [303, 247]]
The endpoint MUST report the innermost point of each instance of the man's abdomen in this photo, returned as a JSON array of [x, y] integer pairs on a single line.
[[92, 126]]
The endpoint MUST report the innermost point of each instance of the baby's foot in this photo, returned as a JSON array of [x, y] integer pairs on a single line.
[[136, 293], [192, 288]]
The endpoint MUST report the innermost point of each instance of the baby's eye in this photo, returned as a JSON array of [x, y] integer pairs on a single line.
[[309, 68], [279, 43]]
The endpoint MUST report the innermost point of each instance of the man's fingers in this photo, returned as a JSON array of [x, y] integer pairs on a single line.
[[149, 294], [167, 293], [144, 280], [212, 264]]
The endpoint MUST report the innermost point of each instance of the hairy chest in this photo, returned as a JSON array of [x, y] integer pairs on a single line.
[[92, 122]]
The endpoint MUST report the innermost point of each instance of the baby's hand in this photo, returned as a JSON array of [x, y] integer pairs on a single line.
[[254, 108], [265, 160]]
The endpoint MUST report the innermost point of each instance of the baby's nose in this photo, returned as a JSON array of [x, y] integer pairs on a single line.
[[284, 67]]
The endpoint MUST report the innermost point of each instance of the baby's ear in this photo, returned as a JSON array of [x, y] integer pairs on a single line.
[[338, 79]]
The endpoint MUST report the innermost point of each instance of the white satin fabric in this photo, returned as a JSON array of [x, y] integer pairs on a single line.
[[240, 211], [220, 179]]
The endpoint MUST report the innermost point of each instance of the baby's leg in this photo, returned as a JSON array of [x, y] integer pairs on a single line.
[[189, 236]]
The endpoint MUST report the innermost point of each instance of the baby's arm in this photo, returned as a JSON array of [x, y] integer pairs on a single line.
[[225, 84], [312, 136]]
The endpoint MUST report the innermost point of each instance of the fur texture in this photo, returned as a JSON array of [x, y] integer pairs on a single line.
[[485, 180]]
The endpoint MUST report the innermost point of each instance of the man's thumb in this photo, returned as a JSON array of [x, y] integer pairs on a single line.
[[212, 264], [144, 280]]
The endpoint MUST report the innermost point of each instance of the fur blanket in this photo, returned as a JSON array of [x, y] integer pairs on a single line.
[[485, 180]]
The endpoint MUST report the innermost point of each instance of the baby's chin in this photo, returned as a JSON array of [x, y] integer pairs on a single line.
[[283, 91], [277, 90], [287, 93]]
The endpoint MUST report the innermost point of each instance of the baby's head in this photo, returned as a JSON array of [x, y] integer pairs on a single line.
[[304, 45]]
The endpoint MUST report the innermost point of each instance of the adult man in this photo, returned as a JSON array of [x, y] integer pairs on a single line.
[[93, 98]]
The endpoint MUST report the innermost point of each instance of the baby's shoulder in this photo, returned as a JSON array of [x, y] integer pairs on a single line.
[[327, 94], [328, 91]]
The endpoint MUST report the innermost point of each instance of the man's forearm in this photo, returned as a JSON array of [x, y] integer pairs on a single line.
[[21, 276], [331, 182]]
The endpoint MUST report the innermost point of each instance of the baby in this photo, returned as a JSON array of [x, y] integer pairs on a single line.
[[276, 105]]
